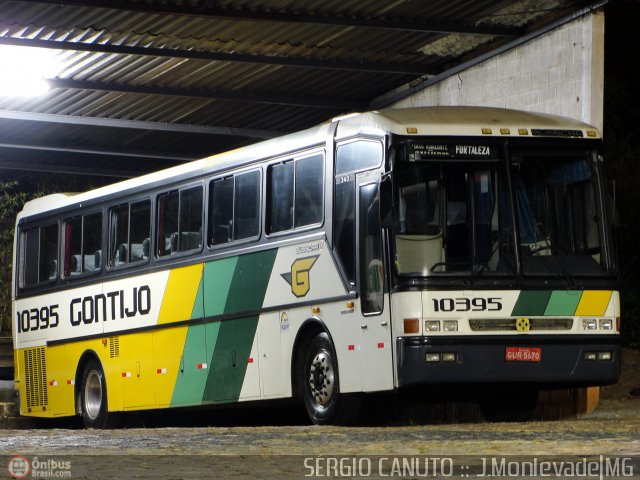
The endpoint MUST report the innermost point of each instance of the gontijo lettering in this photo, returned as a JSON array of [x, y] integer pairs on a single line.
[[115, 305]]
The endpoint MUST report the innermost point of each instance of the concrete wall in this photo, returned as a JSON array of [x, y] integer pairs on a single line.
[[561, 72]]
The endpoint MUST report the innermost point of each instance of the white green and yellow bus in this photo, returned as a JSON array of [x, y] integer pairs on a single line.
[[377, 252]]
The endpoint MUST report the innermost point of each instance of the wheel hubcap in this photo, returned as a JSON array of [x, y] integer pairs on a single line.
[[321, 378], [93, 394]]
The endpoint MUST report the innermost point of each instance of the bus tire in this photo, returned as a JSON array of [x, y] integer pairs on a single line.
[[320, 383], [93, 397]]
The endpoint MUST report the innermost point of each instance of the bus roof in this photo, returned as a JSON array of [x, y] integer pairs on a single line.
[[420, 121], [467, 121]]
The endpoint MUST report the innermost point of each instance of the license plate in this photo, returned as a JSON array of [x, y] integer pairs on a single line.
[[523, 354]]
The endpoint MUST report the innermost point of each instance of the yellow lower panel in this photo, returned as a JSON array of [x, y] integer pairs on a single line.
[[168, 346], [137, 371], [140, 374]]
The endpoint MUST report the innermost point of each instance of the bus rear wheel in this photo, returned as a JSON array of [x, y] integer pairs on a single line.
[[93, 397], [323, 401]]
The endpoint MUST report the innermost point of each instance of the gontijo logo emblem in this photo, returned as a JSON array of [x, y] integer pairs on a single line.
[[299, 277]]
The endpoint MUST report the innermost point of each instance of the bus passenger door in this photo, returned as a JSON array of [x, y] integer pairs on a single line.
[[374, 314]]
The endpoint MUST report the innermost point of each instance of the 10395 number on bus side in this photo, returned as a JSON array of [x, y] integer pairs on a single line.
[[465, 304]]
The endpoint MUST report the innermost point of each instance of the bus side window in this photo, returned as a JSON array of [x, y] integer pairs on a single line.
[[39, 255], [246, 200], [48, 259], [118, 235], [371, 265], [129, 230], [83, 244], [344, 226], [190, 233], [221, 208], [179, 221], [139, 230], [280, 180], [308, 187], [234, 208], [30, 249], [168, 211]]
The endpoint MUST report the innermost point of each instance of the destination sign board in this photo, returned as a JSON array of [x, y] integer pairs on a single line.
[[434, 151]]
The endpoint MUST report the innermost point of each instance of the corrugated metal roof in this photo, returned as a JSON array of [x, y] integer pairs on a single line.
[[140, 69]]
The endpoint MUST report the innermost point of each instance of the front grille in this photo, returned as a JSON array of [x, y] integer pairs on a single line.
[[510, 324], [35, 368]]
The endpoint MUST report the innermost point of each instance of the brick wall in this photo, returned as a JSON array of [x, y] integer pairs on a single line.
[[561, 72]]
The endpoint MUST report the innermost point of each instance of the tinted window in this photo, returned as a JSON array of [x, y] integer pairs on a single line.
[[344, 224], [129, 227], [190, 219], [372, 270], [30, 251], [281, 197], [221, 223], [168, 210], [83, 244], [235, 208], [360, 155], [247, 206], [48, 253], [295, 193], [39, 255], [308, 201], [140, 231], [118, 235], [179, 221]]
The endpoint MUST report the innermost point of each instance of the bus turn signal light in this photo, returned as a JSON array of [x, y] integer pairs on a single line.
[[411, 325]]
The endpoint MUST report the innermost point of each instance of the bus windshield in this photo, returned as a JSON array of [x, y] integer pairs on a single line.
[[455, 212]]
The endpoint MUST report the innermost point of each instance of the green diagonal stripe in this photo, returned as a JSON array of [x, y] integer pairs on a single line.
[[563, 303], [235, 337], [531, 303]]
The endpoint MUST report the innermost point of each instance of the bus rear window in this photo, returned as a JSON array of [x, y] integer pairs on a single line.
[[39, 255]]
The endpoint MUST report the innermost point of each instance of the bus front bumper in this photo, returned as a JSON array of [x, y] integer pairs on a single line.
[[554, 359]]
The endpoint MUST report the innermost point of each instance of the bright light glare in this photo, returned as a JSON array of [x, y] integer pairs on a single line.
[[23, 70]]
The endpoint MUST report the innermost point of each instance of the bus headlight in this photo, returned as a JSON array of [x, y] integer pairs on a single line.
[[450, 325], [432, 325], [605, 324], [589, 324]]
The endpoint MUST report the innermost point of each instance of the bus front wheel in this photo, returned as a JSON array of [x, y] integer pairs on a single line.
[[93, 397], [323, 401]]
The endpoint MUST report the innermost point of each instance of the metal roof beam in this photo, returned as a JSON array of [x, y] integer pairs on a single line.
[[49, 168], [341, 105], [98, 151], [137, 124], [410, 25], [353, 66]]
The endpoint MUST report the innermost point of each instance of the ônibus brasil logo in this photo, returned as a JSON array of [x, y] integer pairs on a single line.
[[19, 467]]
